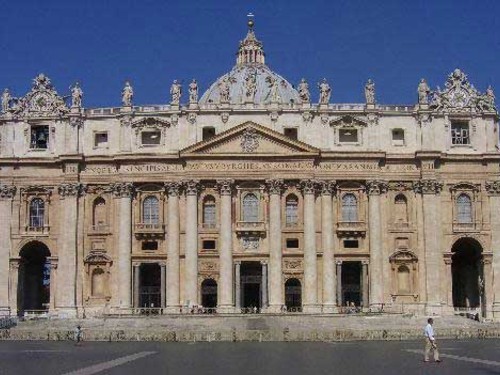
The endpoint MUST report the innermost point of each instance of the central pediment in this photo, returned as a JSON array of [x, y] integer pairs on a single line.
[[250, 139]]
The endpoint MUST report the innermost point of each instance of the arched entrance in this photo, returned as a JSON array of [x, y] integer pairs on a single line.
[[293, 295], [467, 274], [33, 291], [209, 293]]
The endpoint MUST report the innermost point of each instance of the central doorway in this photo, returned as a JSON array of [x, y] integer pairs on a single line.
[[251, 285], [293, 295], [209, 293], [150, 285], [351, 283]]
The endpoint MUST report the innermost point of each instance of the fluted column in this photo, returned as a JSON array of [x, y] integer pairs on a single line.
[[123, 193], [310, 259], [14, 288], [493, 189], [338, 263], [137, 283], [264, 285], [276, 299], [191, 264], [237, 279], [173, 274], [430, 190], [67, 254], [226, 248], [375, 189], [327, 188], [7, 193], [364, 282]]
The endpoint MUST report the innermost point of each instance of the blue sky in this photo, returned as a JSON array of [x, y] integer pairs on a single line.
[[102, 43]]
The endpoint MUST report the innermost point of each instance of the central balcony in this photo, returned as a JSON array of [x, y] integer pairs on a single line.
[[250, 228], [149, 230], [351, 228]]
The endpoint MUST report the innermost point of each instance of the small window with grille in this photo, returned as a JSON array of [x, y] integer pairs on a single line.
[[460, 133]]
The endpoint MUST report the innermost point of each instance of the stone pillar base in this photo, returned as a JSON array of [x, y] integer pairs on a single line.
[[330, 308], [4, 311], [175, 309], [311, 309], [227, 309]]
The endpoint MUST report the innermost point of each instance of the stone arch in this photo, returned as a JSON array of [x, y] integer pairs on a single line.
[[400, 208], [99, 213]]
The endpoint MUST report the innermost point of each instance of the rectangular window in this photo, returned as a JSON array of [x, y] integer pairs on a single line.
[[151, 138], [150, 245], [348, 135], [39, 137], [351, 244], [292, 243], [291, 133], [101, 140], [460, 133], [209, 245], [398, 137], [208, 132]]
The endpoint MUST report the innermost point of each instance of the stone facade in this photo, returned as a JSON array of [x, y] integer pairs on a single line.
[[252, 197]]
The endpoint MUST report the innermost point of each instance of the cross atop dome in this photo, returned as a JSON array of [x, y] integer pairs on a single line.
[[251, 50]]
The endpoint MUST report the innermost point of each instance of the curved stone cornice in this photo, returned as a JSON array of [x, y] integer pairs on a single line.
[[376, 187], [492, 187], [327, 187], [122, 189], [173, 188], [192, 187], [7, 191], [71, 189], [275, 186], [428, 186], [225, 186]]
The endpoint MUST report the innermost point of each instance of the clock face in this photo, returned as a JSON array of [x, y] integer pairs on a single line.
[[459, 98]]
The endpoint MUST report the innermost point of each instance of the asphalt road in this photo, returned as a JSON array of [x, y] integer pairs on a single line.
[[143, 358]]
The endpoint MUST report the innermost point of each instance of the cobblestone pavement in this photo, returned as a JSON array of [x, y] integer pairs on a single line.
[[459, 357]]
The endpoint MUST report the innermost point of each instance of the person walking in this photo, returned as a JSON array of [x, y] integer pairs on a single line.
[[78, 335], [430, 342]]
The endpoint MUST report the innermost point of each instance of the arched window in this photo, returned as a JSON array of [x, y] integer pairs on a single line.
[[209, 214], [99, 212], [464, 209], [37, 212], [250, 208], [292, 210], [401, 209], [404, 285], [98, 283], [349, 207], [150, 210]]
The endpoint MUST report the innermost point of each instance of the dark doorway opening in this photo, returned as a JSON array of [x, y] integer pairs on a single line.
[[293, 295], [34, 278], [150, 285], [467, 274], [209, 293], [351, 283], [251, 282]]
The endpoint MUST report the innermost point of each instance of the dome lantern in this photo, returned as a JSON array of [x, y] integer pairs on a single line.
[[251, 50]]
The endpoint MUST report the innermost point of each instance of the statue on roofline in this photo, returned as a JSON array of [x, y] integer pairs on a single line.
[[127, 95]]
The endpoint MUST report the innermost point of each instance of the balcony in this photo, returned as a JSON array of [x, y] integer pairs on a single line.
[[149, 230], [465, 227], [36, 230], [250, 228], [99, 229], [351, 228], [208, 227]]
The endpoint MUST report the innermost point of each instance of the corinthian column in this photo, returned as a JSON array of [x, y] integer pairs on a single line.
[[276, 299], [375, 189], [329, 305], [225, 303], [123, 193], [191, 269], [432, 232], [173, 303], [6, 194], [310, 259], [67, 254], [493, 189]]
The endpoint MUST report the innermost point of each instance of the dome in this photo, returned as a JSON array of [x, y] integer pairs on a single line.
[[250, 80]]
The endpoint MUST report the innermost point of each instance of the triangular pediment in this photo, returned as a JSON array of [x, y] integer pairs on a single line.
[[250, 139]]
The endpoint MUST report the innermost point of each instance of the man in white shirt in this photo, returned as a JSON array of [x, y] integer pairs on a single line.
[[430, 342]]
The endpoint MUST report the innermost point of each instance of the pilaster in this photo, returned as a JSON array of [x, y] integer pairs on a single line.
[[191, 188], [7, 193], [173, 267], [327, 188], [493, 190]]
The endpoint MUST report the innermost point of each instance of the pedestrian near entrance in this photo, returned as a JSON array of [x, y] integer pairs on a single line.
[[78, 335], [430, 342]]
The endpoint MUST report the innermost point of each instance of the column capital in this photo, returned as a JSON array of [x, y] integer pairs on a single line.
[[162, 264], [15, 263], [376, 187], [7, 191], [237, 263], [492, 187], [263, 262], [327, 187], [225, 186], [122, 189], [365, 262], [136, 264], [72, 189], [192, 187], [308, 187], [428, 186], [275, 186], [173, 188], [338, 262]]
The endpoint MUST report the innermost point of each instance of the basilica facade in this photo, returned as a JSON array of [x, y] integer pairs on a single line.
[[254, 197]]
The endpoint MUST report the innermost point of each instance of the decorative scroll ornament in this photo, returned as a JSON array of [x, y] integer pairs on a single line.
[[249, 140], [459, 95], [275, 186], [7, 191], [76, 122], [376, 187], [224, 116], [225, 186], [493, 187], [428, 186], [250, 243], [192, 187], [191, 117], [122, 189], [400, 185], [41, 101], [71, 190], [97, 257]]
